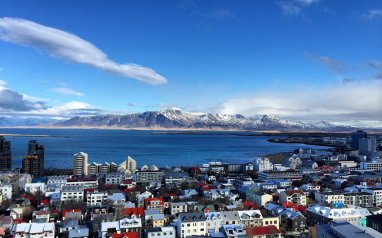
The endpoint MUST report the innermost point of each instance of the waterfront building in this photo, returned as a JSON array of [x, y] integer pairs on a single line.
[[5, 154], [263, 164], [33, 161], [94, 168], [80, 164], [129, 165]]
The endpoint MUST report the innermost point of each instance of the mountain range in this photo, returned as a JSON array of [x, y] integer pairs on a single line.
[[177, 119]]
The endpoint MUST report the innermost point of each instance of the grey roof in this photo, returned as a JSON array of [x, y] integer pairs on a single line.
[[192, 216], [79, 232]]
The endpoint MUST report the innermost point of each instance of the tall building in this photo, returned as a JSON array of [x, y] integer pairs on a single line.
[[368, 147], [33, 161], [128, 165], [5, 154], [355, 137], [80, 164]]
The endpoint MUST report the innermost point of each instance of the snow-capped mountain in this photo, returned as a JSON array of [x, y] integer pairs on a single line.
[[176, 119]]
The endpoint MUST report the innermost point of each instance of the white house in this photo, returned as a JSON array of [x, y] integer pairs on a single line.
[[189, 224], [6, 191], [35, 187], [96, 198], [33, 230], [263, 164]]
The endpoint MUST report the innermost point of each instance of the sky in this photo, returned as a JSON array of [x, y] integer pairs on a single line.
[[308, 60]]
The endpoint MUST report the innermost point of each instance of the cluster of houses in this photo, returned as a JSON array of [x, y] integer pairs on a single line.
[[303, 194]]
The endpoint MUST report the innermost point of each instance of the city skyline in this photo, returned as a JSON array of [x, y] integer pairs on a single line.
[[298, 59]]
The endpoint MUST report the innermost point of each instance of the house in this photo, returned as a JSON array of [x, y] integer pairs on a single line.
[[114, 178], [377, 195], [33, 230], [233, 231], [79, 232], [133, 212], [117, 198], [96, 198], [310, 187], [214, 221], [250, 218], [296, 197], [121, 226], [154, 203], [141, 197], [361, 199], [154, 219], [34, 188], [293, 221], [323, 215], [263, 231], [328, 197], [72, 193], [165, 232], [260, 198], [189, 192], [230, 217], [193, 223], [178, 207], [41, 216]]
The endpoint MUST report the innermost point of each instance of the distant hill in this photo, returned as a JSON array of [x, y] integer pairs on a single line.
[[176, 119]]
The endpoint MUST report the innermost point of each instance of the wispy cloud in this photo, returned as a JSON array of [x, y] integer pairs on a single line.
[[375, 64], [342, 102], [67, 91], [295, 7], [328, 62], [374, 13], [131, 104], [67, 46]]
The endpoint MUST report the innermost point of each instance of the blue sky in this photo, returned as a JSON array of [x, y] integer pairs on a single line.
[[299, 59]]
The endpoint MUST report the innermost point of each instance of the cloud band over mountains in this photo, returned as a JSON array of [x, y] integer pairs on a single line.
[[67, 46]]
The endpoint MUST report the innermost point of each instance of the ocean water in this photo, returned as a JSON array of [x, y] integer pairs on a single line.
[[146, 147]]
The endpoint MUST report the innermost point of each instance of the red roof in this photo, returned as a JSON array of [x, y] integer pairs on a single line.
[[44, 202], [133, 211], [290, 192], [69, 211], [126, 235], [262, 230], [149, 200], [250, 205], [18, 220], [127, 181]]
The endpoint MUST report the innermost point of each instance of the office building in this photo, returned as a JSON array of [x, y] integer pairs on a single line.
[[80, 164], [355, 137], [33, 161], [5, 154]]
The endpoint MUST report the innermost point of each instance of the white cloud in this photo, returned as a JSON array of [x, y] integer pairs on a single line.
[[307, 2], [66, 91], [295, 7], [359, 101], [374, 13], [70, 47]]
